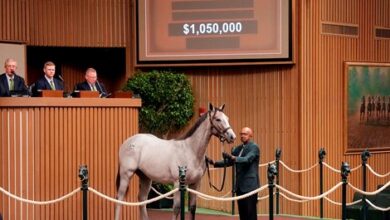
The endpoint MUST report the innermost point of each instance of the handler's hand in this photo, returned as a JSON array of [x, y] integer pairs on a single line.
[[209, 161], [228, 156]]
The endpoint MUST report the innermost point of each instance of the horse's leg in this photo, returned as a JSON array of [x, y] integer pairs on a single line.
[[192, 199], [144, 188], [176, 203], [124, 178]]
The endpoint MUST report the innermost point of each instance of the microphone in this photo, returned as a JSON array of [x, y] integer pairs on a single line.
[[30, 89], [103, 94], [60, 77]]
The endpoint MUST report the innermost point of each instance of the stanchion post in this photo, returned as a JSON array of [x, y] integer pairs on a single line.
[[182, 188], [83, 175], [345, 170], [365, 155], [278, 154], [321, 156], [271, 172]]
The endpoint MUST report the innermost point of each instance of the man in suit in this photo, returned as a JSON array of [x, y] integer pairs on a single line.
[[48, 81], [10, 82], [246, 159], [91, 83]]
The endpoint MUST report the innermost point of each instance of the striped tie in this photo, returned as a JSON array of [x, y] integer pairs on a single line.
[[94, 87]]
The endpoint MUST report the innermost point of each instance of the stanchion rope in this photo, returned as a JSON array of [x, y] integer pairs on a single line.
[[293, 200], [158, 193], [310, 198], [377, 174], [354, 169], [266, 164], [297, 171], [331, 168], [39, 202], [203, 196], [339, 203], [132, 203], [207, 199], [377, 207], [264, 197], [369, 193], [338, 171]]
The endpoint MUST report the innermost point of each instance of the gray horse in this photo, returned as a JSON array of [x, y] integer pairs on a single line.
[[155, 159]]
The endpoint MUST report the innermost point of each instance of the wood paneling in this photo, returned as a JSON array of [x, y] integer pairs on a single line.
[[92, 23], [299, 107], [322, 89], [13, 20], [263, 98], [43, 144], [70, 23]]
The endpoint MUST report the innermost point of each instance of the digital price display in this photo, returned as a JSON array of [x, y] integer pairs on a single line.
[[221, 31]]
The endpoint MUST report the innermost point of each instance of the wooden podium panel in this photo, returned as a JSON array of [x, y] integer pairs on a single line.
[[51, 93], [86, 94], [43, 142], [121, 94]]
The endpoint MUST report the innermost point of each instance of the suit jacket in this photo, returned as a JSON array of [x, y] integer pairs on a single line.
[[43, 84], [247, 167], [85, 86], [19, 86]]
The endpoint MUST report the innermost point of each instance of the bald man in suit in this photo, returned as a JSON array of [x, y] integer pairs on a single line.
[[245, 157]]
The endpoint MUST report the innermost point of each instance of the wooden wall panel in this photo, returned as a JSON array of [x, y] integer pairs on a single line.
[[322, 88], [41, 151], [298, 107], [72, 23], [263, 98], [13, 20]]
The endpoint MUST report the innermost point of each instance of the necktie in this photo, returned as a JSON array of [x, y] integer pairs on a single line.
[[52, 85], [94, 87], [11, 84], [242, 149]]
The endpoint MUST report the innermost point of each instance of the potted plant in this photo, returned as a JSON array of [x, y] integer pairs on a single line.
[[167, 106]]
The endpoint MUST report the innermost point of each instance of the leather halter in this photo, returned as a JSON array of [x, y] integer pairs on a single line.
[[220, 134]]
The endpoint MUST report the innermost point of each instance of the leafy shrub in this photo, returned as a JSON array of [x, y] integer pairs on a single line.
[[167, 100]]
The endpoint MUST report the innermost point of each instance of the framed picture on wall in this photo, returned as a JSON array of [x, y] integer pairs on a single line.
[[367, 106]]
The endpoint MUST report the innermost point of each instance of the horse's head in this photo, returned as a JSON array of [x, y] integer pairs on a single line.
[[220, 124]]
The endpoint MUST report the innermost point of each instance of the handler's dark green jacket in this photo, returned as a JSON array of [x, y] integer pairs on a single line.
[[247, 167]]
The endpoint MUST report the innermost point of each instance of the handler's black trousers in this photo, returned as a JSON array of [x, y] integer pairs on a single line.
[[247, 207]]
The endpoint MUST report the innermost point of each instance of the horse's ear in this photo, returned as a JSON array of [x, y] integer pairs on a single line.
[[211, 107], [222, 107]]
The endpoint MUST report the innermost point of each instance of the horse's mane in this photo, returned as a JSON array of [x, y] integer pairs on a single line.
[[193, 129]]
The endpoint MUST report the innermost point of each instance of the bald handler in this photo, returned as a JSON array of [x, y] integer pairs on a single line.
[[245, 157]]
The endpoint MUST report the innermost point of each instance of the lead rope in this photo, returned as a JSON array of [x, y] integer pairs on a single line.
[[224, 172]]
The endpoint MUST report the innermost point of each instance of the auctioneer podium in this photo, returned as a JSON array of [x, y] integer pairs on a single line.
[[51, 93], [86, 94], [45, 140]]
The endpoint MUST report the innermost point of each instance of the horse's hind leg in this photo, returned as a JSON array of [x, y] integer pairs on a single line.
[[144, 188], [123, 183]]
